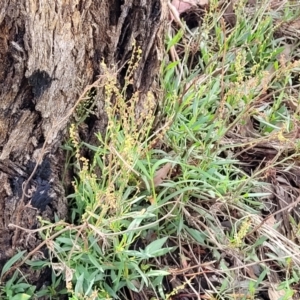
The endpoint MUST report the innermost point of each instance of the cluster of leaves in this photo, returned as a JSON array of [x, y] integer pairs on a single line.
[[109, 252]]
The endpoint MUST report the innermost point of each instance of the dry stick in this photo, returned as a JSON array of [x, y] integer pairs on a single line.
[[182, 271], [188, 282], [255, 174], [176, 17], [22, 206], [75, 241], [236, 268], [36, 248], [272, 215]]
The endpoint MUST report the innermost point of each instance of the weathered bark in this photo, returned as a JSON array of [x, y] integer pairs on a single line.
[[49, 52]]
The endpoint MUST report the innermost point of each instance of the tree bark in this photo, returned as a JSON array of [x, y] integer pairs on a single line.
[[49, 52]]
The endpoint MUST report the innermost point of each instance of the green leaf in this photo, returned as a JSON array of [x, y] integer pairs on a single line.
[[79, 285], [11, 281], [89, 289], [155, 245], [22, 286], [21, 297], [66, 241], [175, 39], [262, 277], [260, 241], [135, 253], [131, 286], [141, 166], [95, 262], [197, 235], [162, 251], [135, 266], [94, 148], [38, 264], [171, 65], [111, 292], [11, 262], [67, 147], [157, 273]]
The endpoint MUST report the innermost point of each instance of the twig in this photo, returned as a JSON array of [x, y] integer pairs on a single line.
[[272, 215], [12, 268]]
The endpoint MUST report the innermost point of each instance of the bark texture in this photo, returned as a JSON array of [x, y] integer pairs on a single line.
[[49, 52]]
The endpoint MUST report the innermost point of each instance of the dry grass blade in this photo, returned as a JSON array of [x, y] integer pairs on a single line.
[[184, 5], [274, 294], [162, 174]]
